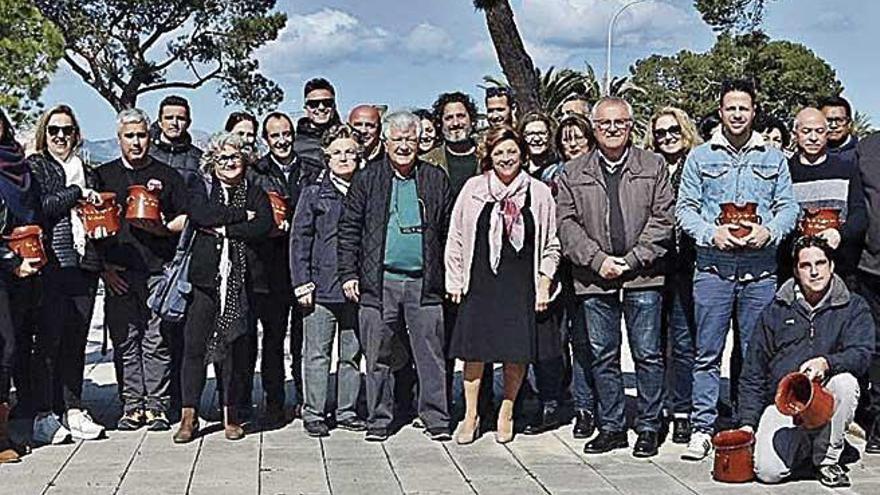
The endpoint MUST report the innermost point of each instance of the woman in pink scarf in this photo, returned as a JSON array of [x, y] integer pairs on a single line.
[[501, 256]]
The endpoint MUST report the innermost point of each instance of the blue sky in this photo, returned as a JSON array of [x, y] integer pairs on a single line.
[[405, 52]]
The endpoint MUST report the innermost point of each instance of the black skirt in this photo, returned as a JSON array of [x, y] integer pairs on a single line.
[[496, 320]]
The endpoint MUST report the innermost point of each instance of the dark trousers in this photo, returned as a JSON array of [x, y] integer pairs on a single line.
[[201, 316], [140, 343], [641, 311], [679, 331], [16, 308], [275, 313], [401, 301], [24, 308], [869, 288], [62, 333]]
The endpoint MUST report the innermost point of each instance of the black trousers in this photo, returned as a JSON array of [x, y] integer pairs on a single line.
[[275, 312], [62, 333], [200, 320], [869, 287], [23, 297]]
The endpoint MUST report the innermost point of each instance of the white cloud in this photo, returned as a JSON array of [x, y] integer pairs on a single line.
[[427, 41], [583, 24], [323, 38]]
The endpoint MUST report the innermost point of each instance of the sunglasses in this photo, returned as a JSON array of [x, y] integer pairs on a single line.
[[674, 131], [62, 130], [317, 103]]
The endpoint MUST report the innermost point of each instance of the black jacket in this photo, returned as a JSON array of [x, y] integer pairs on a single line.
[[364, 221], [313, 241], [182, 156], [57, 199], [25, 210], [869, 165], [307, 146], [266, 175], [841, 330], [210, 212]]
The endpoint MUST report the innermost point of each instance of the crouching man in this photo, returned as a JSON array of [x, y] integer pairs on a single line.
[[816, 326]]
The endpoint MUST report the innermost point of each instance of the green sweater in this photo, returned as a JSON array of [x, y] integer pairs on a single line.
[[403, 237]]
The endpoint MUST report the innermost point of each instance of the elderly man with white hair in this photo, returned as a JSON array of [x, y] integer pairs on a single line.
[[390, 253], [133, 261]]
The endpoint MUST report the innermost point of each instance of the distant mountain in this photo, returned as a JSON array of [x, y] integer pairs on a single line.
[[104, 150]]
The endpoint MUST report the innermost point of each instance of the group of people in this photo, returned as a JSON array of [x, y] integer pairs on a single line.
[[413, 240]]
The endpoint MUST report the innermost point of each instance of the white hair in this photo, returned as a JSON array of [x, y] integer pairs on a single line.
[[401, 120], [610, 100], [215, 147], [131, 116]]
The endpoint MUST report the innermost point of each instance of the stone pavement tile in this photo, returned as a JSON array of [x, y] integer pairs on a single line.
[[289, 482], [297, 469], [423, 466], [155, 481], [542, 449], [568, 477], [83, 467], [227, 465], [688, 472], [85, 489], [519, 485], [656, 483]]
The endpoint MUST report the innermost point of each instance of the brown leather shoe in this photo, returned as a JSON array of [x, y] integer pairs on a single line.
[[8, 453], [189, 426], [231, 426]]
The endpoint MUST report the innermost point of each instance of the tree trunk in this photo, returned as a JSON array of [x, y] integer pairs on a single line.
[[515, 61]]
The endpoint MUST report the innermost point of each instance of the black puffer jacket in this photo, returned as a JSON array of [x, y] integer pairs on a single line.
[[307, 146], [182, 156], [57, 199], [788, 334], [364, 222], [273, 251]]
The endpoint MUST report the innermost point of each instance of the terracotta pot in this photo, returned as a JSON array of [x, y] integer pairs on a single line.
[[27, 242], [734, 462], [808, 401], [815, 220], [101, 220], [732, 213], [279, 210], [142, 204]]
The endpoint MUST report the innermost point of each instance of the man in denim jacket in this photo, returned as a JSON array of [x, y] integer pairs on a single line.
[[733, 273]]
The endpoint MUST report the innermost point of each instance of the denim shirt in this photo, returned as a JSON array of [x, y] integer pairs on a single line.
[[716, 173]]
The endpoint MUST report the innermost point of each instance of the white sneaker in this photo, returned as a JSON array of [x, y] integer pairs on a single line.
[[49, 431], [699, 447], [82, 426]]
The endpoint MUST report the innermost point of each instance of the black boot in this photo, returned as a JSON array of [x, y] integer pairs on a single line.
[[873, 444], [606, 442], [584, 424], [547, 419], [681, 430]]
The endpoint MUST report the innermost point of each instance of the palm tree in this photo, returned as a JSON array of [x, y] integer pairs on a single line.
[[515, 61], [862, 125]]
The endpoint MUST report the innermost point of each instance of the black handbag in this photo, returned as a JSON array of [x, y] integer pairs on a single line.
[[168, 297]]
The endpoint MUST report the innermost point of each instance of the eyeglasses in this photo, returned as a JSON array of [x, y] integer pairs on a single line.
[[341, 153], [674, 131], [607, 125], [317, 103], [529, 134], [228, 162], [401, 140], [133, 135], [63, 130], [837, 121]]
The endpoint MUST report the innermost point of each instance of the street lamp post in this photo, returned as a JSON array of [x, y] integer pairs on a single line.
[[610, 35]]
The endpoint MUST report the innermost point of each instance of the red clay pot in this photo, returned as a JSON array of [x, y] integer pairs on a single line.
[[734, 462], [142, 204], [27, 242], [815, 220], [104, 215], [732, 213], [808, 401], [279, 210]]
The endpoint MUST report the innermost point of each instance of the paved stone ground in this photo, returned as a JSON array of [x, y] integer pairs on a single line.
[[286, 461]]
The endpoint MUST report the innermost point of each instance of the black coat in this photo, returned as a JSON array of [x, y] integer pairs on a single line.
[[266, 175], [182, 156], [364, 223], [307, 146], [57, 199], [869, 165], [210, 212], [313, 240], [841, 330]]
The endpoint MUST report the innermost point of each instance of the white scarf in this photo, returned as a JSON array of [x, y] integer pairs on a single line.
[[340, 184], [506, 215], [74, 174]]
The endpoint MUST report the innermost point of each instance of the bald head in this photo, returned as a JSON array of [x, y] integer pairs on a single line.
[[811, 133], [366, 120]]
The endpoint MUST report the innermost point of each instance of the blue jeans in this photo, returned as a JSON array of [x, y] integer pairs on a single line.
[[641, 310], [715, 299], [679, 329], [582, 386]]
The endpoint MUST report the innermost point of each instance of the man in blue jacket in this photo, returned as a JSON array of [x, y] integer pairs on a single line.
[[732, 273], [815, 325]]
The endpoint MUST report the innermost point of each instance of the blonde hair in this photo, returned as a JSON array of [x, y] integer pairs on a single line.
[[220, 140], [689, 135], [40, 137]]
